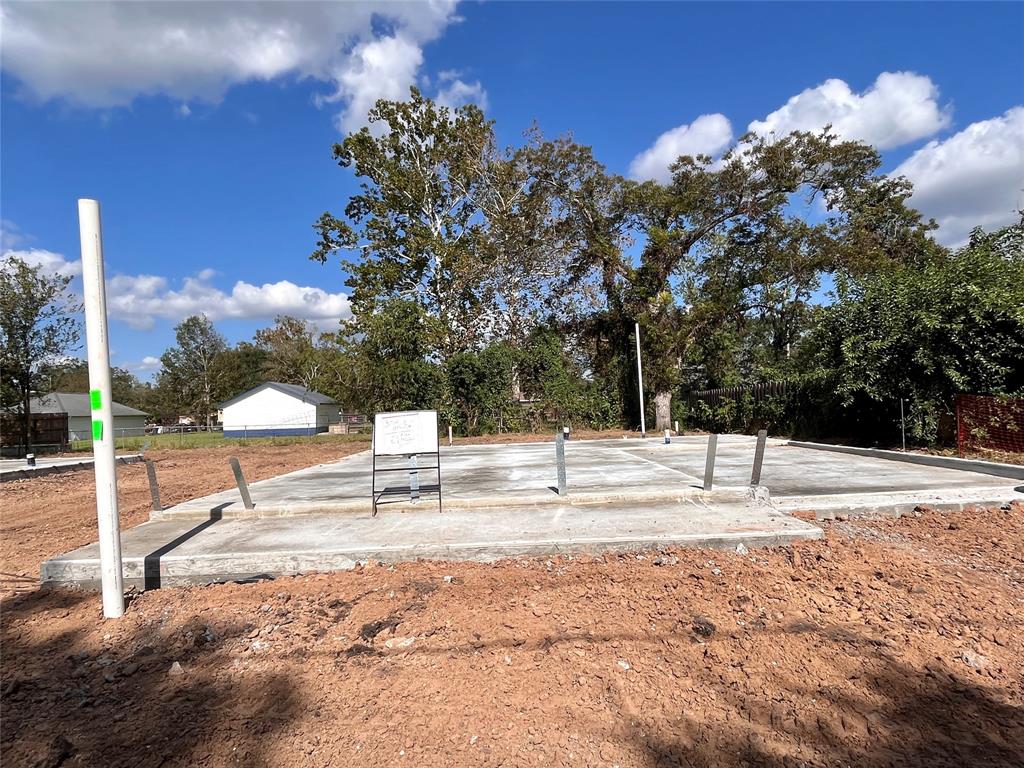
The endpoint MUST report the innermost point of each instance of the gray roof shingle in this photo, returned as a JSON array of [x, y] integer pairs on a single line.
[[76, 404]]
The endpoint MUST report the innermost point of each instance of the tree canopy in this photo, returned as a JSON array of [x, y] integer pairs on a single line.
[[478, 255], [501, 285], [38, 326]]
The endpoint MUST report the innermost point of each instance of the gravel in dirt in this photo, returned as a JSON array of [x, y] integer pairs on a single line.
[[888, 643], [45, 516]]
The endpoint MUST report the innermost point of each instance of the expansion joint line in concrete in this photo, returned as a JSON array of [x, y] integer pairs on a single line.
[[659, 464]]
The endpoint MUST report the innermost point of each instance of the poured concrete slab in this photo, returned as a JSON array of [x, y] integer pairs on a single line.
[[471, 477], [499, 501], [602, 471], [169, 552]]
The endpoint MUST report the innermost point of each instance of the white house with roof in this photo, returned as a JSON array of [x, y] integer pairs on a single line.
[[274, 409], [127, 421]]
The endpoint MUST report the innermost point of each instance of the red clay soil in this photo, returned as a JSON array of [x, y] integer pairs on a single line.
[[45, 516], [890, 643]]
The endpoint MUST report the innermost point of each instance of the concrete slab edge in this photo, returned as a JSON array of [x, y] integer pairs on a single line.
[[233, 509], [43, 471], [893, 505], [1013, 471], [183, 570]]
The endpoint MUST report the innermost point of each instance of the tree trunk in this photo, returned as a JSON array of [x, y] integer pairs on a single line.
[[663, 411], [517, 389]]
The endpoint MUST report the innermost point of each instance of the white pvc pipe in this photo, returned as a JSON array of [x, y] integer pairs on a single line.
[[98, 342], [640, 378]]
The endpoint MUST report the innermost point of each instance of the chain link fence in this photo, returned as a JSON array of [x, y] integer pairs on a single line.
[[200, 436]]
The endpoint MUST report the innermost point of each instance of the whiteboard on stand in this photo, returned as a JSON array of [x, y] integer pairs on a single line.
[[405, 432]]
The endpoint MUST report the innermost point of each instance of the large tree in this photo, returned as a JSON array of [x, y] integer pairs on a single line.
[[726, 237], [38, 325], [73, 376], [289, 349], [189, 368], [469, 245], [415, 224], [380, 362], [239, 368]]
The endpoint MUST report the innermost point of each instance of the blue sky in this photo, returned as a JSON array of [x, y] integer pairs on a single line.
[[205, 130]]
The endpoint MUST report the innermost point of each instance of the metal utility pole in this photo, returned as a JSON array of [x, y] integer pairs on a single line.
[[903, 426], [94, 286], [640, 379]]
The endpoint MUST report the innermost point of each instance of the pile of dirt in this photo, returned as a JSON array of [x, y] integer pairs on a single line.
[[888, 643], [47, 516]]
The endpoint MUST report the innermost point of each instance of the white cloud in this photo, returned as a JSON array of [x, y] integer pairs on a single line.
[[707, 135], [105, 54], [376, 69], [898, 108], [184, 110], [455, 92], [973, 178], [139, 299], [52, 263], [149, 363], [11, 235]]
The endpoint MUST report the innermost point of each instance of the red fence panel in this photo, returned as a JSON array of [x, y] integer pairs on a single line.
[[985, 422]]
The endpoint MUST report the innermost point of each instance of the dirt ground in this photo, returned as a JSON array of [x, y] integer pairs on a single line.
[[889, 643], [46, 516]]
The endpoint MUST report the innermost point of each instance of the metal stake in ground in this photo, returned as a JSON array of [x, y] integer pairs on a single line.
[[414, 478], [95, 295], [640, 382], [154, 489], [755, 474], [709, 462], [243, 487], [560, 463], [903, 426]]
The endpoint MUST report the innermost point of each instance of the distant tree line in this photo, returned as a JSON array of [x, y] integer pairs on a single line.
[[202, 370]]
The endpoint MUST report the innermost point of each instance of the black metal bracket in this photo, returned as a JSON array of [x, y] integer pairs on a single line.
[[376, 495]]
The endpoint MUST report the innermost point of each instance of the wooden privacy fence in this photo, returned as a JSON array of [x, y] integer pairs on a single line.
[[756, 391], [49, 432], [991, 423]]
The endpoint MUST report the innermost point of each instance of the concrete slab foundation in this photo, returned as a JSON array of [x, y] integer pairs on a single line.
[[170, 552], [598, 471], [501, 501], [15, 469]]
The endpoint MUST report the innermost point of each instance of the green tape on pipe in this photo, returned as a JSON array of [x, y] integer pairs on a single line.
[[95, 399], [97, 429]]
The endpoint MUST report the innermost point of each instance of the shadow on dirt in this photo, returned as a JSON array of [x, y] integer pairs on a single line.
[[888, 713], [140, 695], [893, 715], [900, 718], [108, 693]]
